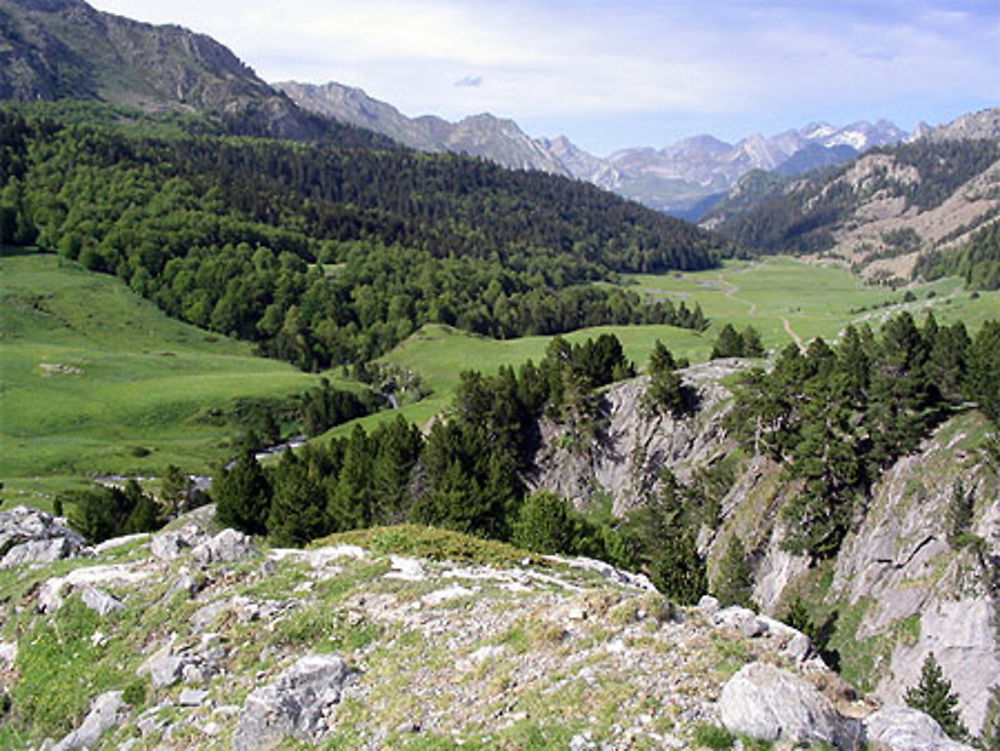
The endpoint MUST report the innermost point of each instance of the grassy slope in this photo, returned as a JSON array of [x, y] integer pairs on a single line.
[[146, 379], [143, 380]]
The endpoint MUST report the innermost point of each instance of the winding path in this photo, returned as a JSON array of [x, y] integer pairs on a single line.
[[791, 332], [732, 289]]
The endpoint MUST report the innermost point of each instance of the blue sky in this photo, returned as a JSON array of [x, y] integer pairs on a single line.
[[630, 73]]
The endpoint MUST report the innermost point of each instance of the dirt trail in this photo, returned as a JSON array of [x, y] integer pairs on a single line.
[[791, 332], [732, 289]]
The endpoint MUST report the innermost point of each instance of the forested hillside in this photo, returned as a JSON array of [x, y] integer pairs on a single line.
[[881, 212], [328, 254]]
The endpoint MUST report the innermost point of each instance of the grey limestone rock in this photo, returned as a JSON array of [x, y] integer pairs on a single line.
[[171, 544], [100, 601], [226, 547], [28, 535], [768, 703], [296, 704], [104, 714], [906, 729], [167, 670]]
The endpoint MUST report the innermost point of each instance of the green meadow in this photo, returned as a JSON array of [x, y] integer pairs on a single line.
[[94, 379]]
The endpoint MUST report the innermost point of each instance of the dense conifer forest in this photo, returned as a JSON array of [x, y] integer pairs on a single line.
[[332, 254]]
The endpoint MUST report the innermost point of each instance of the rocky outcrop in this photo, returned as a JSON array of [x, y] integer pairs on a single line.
[[296, 705], [105, 713], [914, 586], [768, 703], [228, 546], [30, 536], [632, 447], [906, 729]]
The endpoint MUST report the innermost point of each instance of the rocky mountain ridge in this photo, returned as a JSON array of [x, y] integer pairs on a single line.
[[675, 179], [883, 211], [198, 638], [65, 49]]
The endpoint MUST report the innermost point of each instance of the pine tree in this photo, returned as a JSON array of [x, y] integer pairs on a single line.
[[990, 739], [960, 513], [352, 501], [242, 495], [934, 696], [982, 383], [544, 524], [728, 344], [734, 583], [752, 344], [661, 359], [298, 507]]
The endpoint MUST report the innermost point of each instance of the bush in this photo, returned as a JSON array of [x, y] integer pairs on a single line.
[[713, 737]]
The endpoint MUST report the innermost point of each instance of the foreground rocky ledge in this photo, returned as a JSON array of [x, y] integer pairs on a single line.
[[201, 638]]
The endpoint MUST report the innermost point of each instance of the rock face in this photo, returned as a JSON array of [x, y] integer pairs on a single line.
[[53, 50], [632, 448], [297, 704], [899, 568], [31, 536], [768, 703], [105, 712], [908, 590], [906, 729]]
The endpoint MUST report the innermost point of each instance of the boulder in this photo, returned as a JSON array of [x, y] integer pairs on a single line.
[[226, 547], [30, 536], [100, 601], [297, 704], [171, 544], [769, 703], [104, 714], [906, 729], [166, 670]]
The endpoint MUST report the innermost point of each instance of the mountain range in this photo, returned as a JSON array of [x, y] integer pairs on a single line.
[[921, 207], [679, 179]]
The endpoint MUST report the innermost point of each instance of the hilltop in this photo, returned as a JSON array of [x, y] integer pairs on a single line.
[[398, 638]]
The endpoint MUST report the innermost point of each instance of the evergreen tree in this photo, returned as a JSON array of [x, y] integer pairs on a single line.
[[990, 738], [175, 488], [734, 583], [298, 507], [661, 359], [352, 501], [242, 495], [934, 696], [729, 343], [544, 524], [982, 382], [398, 446], [960, 513], [146, 513], [752, 344], [659, 539]]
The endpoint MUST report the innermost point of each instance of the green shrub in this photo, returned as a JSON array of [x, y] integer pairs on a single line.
[[713, 737]]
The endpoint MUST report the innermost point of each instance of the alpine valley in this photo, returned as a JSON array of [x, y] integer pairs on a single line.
[[326, 427]]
